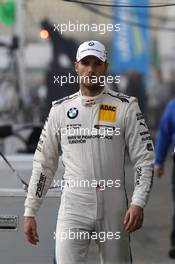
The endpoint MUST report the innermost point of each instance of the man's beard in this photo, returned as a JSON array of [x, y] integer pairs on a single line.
[[95, 86]]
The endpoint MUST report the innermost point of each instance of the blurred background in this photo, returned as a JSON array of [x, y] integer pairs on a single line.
[[33, 50], [142, 53]]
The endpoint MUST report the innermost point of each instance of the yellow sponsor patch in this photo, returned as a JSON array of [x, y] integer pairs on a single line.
[[107, 113]]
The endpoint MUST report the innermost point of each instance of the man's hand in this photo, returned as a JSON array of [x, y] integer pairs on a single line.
[[133, 218], [30, 230], [158, 170]]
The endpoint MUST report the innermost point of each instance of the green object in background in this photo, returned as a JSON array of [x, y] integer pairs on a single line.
[[8, 13]]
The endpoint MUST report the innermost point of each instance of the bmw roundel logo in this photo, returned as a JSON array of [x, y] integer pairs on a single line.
[[91, 43], [72, 113]]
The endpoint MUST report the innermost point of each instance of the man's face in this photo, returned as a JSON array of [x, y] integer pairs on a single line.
[[89, 70]]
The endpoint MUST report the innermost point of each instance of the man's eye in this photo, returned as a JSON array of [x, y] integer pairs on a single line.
[[98, 63], [84, 62]]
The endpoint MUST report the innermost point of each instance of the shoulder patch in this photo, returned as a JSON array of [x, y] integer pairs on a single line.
[[64, 99], [123, 97]]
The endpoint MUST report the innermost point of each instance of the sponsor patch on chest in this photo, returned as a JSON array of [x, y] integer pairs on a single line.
[[107, 113]]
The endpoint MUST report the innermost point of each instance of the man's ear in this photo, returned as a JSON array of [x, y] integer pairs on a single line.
[[76, 66]]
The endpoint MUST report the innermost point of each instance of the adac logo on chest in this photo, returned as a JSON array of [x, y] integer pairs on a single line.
[[108, 107], [72, 113], [107, 113]]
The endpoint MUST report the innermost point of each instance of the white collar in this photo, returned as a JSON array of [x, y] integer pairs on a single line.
[[91, 100]]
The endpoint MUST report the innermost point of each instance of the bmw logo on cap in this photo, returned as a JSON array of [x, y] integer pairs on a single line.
[[72, 113], [91, 43]]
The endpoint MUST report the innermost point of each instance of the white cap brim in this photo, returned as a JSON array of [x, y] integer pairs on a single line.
[[90, 53]]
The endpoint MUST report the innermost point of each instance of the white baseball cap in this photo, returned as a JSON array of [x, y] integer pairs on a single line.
[[91, 48]]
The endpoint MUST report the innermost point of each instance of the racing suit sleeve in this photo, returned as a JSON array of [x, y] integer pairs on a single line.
[[141, 153], [45, 164]]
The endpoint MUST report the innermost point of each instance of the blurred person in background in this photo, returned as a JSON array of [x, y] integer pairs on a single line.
[[61, 65], [158, 96], [136, 87], [165, 138], [123, 83]]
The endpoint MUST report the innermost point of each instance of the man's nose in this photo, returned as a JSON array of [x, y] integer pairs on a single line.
[[90, 69]]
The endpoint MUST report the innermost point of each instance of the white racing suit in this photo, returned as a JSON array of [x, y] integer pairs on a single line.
[[93, 136]]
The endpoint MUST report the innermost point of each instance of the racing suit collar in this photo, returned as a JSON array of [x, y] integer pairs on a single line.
[[91, 100]]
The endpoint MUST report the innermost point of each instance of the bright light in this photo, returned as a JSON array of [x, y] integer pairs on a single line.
[[44, 34]]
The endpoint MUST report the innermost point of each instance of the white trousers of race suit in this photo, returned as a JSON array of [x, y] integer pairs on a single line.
[[76, 228]]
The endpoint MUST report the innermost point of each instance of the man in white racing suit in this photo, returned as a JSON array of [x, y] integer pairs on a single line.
[[93, 130]]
